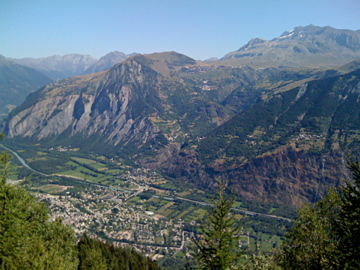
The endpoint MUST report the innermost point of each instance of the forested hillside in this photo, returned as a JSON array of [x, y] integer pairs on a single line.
[[288, 148]]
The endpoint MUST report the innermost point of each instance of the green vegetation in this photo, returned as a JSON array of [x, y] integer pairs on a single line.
[[27, 239], [326, 235], [160, 202], [217, 247], [323, 236], [331, 223], [95, 254]]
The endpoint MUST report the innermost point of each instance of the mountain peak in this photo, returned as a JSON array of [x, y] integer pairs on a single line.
[[254, 42], [310, 46], [164, 62], [172, 57], [107, 61]]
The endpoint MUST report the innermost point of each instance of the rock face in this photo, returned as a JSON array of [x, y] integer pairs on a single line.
[[311, 46], [99, 104], [289, 176], [133, 105], [277, 135]]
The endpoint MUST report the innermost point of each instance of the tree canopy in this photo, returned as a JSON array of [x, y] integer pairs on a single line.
[[327, 234], [28, 239], [218, 246]]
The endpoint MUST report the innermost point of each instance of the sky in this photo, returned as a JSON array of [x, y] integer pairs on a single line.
[[200, 29]]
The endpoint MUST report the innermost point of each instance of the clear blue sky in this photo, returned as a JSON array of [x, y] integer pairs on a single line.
[[198, 28]]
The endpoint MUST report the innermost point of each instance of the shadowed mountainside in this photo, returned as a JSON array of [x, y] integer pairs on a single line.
[[16, 82]]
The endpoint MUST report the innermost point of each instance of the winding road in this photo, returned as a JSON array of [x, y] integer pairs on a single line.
[[251, 213]]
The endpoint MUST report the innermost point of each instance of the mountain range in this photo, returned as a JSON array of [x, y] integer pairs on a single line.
[[278, 133], [59, 67], [310, 46]]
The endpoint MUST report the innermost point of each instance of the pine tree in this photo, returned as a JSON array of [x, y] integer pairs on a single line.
[[347, 225], [310, 242], [217, 247], [96, 254]]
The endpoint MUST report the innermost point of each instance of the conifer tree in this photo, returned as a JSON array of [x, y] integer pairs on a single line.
[[97, 255], [347, 225], [218, 246], [310, 242]]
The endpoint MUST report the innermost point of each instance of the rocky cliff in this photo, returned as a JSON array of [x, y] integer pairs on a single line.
[[278, 135], [138, 103]]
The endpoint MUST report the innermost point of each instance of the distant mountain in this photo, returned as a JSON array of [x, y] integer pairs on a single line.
[[16, 82], [288, 149], [197, 120], [310, 46], [59, 67], [139, 106], [107, 62], [211, 59], [146, 107]]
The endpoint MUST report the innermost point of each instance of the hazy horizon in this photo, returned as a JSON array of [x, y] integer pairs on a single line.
[[199, 29]]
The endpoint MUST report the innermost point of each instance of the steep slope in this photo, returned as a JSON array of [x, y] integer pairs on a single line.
[[107, 62], [59, 67], [16, 82], [139, 106], [310, 46], [287, 149], [152, 108]]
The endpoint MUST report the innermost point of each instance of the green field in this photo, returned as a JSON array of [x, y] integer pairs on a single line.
[[51, 188], [76, 174], [106, 172], [84, 160], [183, 213], [91, 163]]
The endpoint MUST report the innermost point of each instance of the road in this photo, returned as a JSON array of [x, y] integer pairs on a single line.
[[78, 179], [246, 212], [141, 188]]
